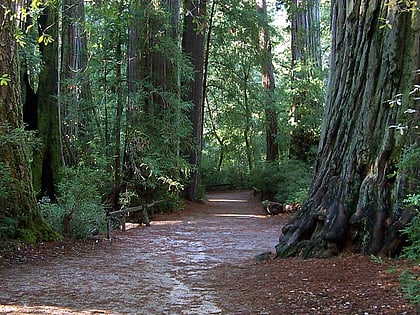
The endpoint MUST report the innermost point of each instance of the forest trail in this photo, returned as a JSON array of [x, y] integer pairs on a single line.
[[148, 270], [197, 261]]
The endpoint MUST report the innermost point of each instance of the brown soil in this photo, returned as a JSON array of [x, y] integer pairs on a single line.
[[197, 261]]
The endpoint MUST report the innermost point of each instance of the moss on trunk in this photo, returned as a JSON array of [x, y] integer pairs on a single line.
[[353, 204], [20, 202]]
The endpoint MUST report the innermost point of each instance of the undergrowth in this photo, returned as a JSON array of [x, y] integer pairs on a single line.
[[78, 212]]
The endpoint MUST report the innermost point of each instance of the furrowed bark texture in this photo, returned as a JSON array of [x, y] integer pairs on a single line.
[[268, 83], [47, 161], [76, 113], [20, 202], [193, 46], [354, 203], [306, 64]]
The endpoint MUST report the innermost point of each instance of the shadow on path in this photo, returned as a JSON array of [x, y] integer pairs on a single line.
[[163, 269]]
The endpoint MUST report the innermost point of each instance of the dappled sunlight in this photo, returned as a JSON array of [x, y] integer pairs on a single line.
[[166, 222], [44, 309], [240, 216], [129, 225], [227, 200]]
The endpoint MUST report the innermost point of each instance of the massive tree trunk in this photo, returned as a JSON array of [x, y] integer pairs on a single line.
[[355, 200], [193, 46], [306, 65], [267, 73], [19, 201]]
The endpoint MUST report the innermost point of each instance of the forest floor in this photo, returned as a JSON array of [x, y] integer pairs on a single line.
[[200, 260]]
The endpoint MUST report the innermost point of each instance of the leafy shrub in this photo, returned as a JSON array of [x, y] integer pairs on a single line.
[[289, 180], [412, 231], [9, 227], [78, 211], [411, 286], [236, 177], [27, 236], [410, 283]]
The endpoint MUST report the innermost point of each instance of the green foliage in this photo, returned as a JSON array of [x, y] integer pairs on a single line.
[[155, 129], [411, 286], [27, 236], [6, 186], [4, 79], [10, 137], [412, 231], [78, 210], [409, 164], [9, 227], [290, 180], [230, 176], [410, 282]]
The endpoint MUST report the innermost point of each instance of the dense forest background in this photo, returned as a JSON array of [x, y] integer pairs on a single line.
[[110, 104], [125, 102]]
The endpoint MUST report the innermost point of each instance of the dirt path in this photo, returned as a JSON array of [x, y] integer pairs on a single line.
[[197, 261]]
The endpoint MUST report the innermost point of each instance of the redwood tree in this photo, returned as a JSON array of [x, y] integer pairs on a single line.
[[267, 74], [47, 161], [19, 202], [193, 46], [75, 109], [305, 113], [355, 200]]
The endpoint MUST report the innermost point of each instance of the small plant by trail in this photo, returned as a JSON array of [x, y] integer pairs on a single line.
[[78, 212]]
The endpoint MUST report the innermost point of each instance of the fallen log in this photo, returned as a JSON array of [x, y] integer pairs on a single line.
[[275, 208]]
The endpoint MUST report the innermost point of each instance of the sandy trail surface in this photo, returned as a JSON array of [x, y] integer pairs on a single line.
[[197, 261]]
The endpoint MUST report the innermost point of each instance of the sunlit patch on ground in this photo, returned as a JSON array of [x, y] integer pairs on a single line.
[[44, 309], [240, 216], [228, 200], [166, 222], [130, 225], [198, 261]]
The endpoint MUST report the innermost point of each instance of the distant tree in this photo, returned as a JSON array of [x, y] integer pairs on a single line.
[[195, 25], [75, 106], [157, 125], [267, 73], [19, 202], [356, 201], [43, 103], [236, 101], [305, 108]]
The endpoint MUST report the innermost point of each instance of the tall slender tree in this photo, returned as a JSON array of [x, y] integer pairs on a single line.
[[75, 110], [355, 201], [195, 24], [47, 161], [267, 73], [306, 67]]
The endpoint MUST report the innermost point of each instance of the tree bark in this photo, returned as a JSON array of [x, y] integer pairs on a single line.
[[355, 201], [268, 83], [305, 32], [76, 114], [193, 47], [306, 64], [47, 161], [20, 202]]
